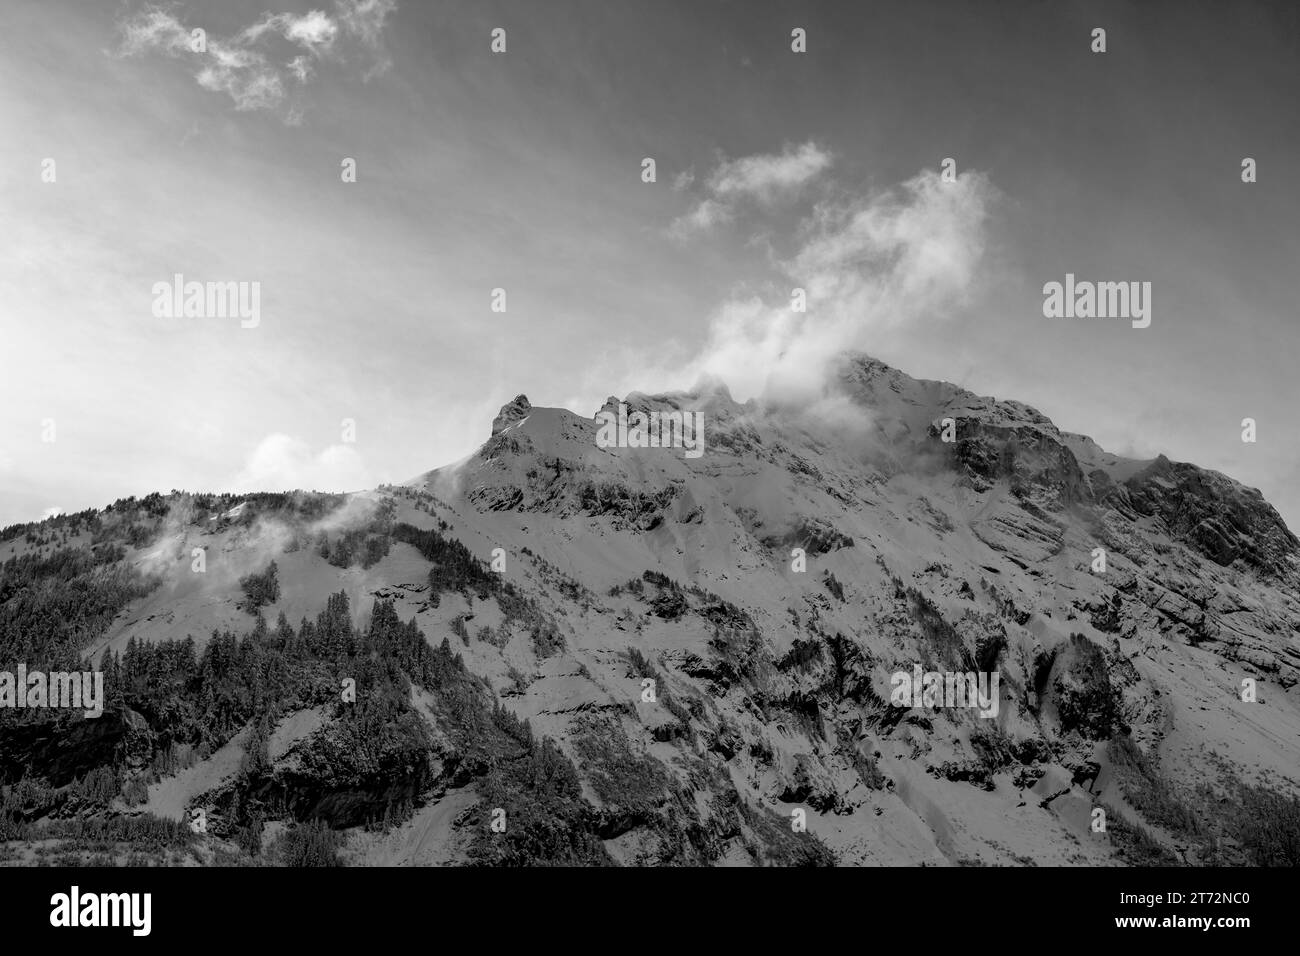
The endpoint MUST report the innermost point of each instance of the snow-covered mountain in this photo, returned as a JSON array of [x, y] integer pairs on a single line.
[[653, 657]]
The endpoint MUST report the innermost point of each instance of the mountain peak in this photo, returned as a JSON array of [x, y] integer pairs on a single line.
[[708, 385], [510, 413]]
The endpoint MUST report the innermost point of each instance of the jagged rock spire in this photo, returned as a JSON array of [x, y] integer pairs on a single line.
[[511, 412]]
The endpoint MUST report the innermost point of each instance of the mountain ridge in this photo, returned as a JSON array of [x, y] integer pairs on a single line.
[[770, 589]]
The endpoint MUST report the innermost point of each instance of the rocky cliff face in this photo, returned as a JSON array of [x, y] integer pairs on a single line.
[[513, 412], [1214, 515]]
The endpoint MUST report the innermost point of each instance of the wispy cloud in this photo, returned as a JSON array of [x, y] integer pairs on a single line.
[[315, 31], [765, 178], [282, 462], [707, 214], [365, 18], [242, 65]]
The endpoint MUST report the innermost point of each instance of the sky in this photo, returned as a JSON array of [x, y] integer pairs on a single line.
[[377, 354]]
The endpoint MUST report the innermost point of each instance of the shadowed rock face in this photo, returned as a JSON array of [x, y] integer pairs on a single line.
[[72, 746], [1220, 518]]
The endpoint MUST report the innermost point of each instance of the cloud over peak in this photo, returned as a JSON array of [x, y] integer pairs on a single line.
[[281, 462], [868, 264]]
